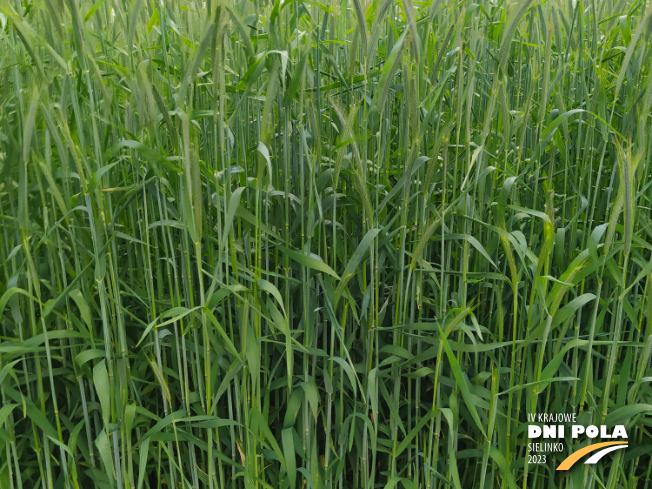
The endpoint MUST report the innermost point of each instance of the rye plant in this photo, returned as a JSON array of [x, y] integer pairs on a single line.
[[320, 244]]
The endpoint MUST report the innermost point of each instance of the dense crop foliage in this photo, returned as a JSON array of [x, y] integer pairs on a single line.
[[322, 245]]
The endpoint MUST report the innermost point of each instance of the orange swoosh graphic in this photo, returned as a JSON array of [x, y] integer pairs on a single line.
[[574, 457]]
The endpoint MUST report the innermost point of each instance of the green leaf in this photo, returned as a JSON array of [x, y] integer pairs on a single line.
[[142, 466], [93, 9], [391, 65], [5, 371], [161, 424], [293, 406], [295, 81], [622, 414], [9, 293], [595, 238], [227, 341], [234, 202], [262, 149], [287, 438], [103, 390], [153, 20], [88, 355], [175, 313], [84, 310], [5, 411], [311, 395], [271, 289], [571, 308], [145, 151], [348, 370], [243, 32], [252, 353], [311, 261], [61, 445], [260, 423], [97, 177], [461, 382], [476, 244], [533, 384], [360, 252], [102, 443], [413, 432]]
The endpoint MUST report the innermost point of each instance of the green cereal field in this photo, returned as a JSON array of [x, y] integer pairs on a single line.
[[324, 244]]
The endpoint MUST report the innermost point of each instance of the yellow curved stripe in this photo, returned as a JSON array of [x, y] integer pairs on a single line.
[[574, 457]]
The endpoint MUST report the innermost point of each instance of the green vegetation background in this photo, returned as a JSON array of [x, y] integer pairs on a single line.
[[322, 245]]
